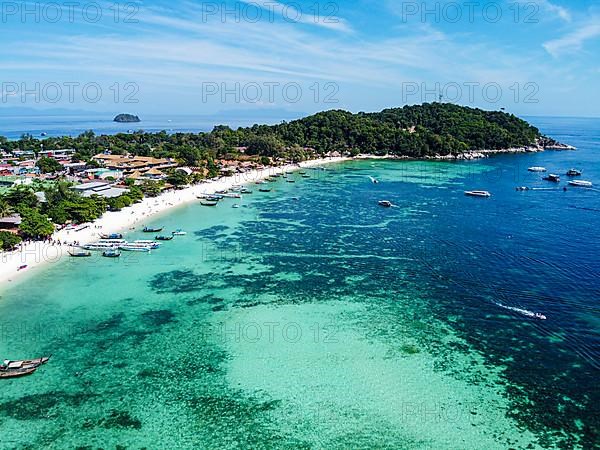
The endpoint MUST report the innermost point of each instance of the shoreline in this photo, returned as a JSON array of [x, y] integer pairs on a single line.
[[38, 254], [471, 155]]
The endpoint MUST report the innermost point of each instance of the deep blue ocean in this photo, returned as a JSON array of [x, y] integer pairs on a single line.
[[13, 127], [310, 317]]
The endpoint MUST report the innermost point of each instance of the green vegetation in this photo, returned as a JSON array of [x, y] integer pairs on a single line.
[[414, 131], [35, 225], [152, 188], [5, 208], [62, 205], [48, 165], [178, 178], [8, 241]]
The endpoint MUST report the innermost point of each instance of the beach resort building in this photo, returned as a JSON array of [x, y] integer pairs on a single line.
[[101, 188], [129, 164], [60, 155], [10, 223]]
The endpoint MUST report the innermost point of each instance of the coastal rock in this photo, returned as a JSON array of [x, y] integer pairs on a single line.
[[126, 118]]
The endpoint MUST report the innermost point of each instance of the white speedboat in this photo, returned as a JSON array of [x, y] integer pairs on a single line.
[[151, 244], [537, 169], [135, 248], [178, 233], [385, 203], [581, 183], [100, 246], [112, 241], [485, 194]]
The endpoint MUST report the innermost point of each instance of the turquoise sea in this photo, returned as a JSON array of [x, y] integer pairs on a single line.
[[313, 318]]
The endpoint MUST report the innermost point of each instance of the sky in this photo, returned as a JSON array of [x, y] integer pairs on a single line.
[[180, 57]]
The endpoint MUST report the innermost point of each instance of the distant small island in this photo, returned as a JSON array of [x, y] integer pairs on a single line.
[[126, 118]]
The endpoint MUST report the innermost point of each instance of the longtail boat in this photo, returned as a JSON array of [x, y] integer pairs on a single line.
[[25, 363], [79, 254], [152, 230], [16, 373]]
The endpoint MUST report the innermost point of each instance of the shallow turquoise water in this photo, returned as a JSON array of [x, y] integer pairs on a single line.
[[328, 322]]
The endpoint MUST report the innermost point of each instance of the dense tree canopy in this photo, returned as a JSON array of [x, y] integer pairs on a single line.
[[415, 131], [35, 225], [8, 241], [48, 165]]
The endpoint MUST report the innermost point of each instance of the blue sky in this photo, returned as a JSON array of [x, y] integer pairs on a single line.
[[179, 57]]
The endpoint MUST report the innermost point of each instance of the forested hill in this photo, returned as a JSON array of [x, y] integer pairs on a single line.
[[414, 131], [432, 128]]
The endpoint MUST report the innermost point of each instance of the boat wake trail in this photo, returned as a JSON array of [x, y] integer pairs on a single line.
[[525, 312]]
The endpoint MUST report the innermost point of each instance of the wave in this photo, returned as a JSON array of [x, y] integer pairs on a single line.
[[525, 312]]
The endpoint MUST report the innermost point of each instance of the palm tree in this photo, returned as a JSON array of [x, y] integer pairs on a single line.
[[5, 208]]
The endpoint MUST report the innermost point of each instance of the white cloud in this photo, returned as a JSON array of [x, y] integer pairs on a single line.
[[560, 11], [574, 40]]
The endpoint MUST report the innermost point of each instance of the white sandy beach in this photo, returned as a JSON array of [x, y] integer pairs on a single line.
[[35, 255]]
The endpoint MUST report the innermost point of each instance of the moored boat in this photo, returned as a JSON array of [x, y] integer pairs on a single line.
[[24, 363], [245, 191], [145, 243], [99, 246], [164, 238], [179, 232], [537, 169], [17, 372], [111, 236], [205, 202], [573, 173], [135, 248], [112, 241], [552, 177], [581, 183], [113, 253], [152, 230], [265, 190], [478, 194], [79, 254], [385, 203]]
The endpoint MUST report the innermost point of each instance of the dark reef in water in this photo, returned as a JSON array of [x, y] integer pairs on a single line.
[[159, 318], [177, 281], [120, 419], [38, 406]]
